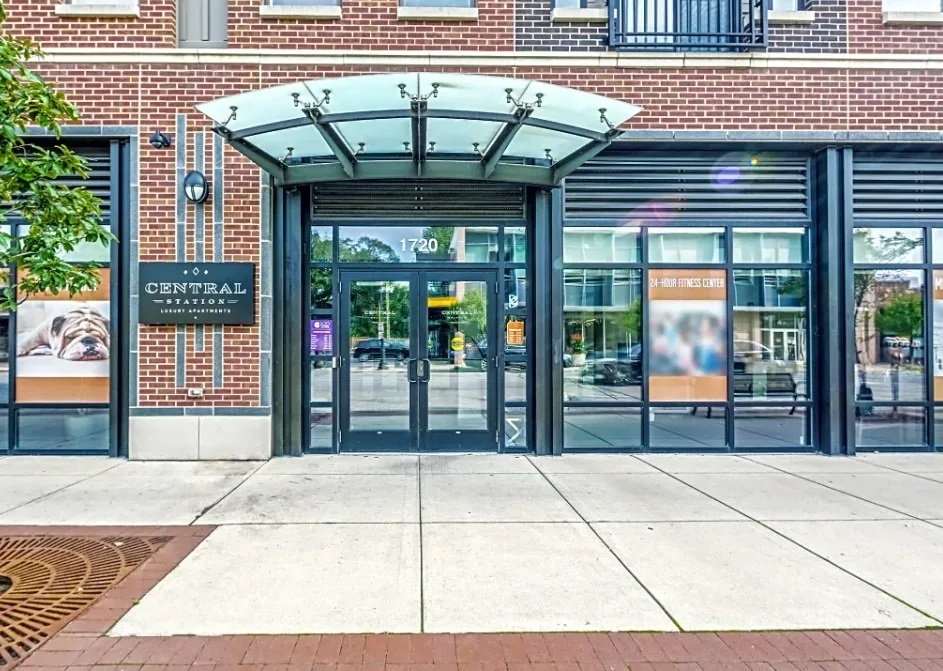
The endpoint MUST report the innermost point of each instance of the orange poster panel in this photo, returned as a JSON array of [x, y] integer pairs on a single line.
[[688, 334], [515, 333]]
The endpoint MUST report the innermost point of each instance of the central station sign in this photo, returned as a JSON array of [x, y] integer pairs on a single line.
[[197, 293]]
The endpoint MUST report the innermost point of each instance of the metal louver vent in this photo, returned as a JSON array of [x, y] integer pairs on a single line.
[[98, 164], [897, 188], [678, 186], [410, 199]]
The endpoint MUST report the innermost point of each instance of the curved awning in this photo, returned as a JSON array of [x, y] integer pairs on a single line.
[[408, 125]]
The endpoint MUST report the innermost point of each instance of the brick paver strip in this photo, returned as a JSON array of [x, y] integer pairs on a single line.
[[82, 645]]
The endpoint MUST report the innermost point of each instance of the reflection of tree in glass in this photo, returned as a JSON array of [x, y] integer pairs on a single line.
[[442, 235], [631, 320], [891, 247], [369, 307], [473, 309], [901, 315], [367, 249]]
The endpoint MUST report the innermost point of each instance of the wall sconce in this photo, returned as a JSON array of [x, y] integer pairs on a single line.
[[159, 140], [195, 187]]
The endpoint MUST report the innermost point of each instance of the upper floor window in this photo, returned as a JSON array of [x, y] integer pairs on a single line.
[[437, 3], [687, 25], [202, 23], [913, 6]]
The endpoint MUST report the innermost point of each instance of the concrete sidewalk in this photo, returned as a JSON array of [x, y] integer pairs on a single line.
[[497, 543]]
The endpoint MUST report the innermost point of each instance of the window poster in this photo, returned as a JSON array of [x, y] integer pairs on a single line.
[[938, 335], [63, 347], [688, 334]]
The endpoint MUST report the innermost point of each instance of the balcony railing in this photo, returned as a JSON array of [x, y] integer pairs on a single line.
[[688, 25]]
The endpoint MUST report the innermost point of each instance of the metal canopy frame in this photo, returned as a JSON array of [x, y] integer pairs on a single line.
[[419, 158]]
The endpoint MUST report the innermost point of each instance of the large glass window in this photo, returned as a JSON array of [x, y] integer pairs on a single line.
[[699, 334], [420, 244]]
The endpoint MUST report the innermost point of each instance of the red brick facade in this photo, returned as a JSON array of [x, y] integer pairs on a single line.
[[150, 96]]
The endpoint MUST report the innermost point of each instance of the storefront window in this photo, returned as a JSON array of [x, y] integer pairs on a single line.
[[769, 245], [770, 334], [686, 245], [601, 245], [515, 244], [601, 429], [888, 245], [695, 429], [322, 244], [418, 244], [889, 337], [884, 426], [763, 427]]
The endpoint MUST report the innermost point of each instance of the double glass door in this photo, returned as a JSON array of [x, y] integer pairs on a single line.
[[417, 372]]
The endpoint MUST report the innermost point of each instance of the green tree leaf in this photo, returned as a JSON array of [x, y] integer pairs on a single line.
[[52, 218]]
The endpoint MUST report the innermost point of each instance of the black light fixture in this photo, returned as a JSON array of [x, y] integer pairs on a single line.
[[195, 187], [160, 140]]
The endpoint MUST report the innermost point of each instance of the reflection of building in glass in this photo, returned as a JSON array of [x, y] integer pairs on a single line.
[[769, 319], [602, 311]]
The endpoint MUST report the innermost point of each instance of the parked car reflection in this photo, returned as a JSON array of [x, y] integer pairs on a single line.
[[611, 372], [370, 349]]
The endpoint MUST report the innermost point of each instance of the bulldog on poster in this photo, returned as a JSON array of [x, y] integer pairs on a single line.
[[81, 334]]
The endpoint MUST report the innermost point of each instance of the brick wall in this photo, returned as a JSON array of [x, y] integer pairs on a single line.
[[156, 26], [868, 34], [150, 96], [827, 34], [502, 25]]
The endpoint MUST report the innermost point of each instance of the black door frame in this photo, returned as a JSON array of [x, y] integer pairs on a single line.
[[419, 438]]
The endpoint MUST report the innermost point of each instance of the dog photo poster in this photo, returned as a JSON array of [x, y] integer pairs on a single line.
[[63, 347]]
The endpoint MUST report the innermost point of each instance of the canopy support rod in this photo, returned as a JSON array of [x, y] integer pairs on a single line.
[[333, 140], [502, 141], [270, 165], [568, 164], [418, 129]]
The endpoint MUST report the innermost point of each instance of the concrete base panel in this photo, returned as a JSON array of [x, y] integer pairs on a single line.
[[332, 578], [181, 438], [529, 577], [738, 575]]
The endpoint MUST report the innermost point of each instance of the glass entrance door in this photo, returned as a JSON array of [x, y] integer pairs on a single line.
[[417, 373]]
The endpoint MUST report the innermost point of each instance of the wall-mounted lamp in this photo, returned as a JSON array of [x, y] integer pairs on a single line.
[[195, 187], [159, 140]]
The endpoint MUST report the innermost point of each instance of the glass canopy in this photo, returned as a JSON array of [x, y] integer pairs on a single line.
[[434, 125]]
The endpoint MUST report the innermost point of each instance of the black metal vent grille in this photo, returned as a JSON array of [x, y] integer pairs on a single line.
[[897, 187], [665, 187], [400, 199], [98, 164]]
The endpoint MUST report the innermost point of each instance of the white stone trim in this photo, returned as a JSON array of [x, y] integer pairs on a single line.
[[913, 18], [502, 59], [579, 15], [314, 12], [790, 18], [120, 10], [437, 13]]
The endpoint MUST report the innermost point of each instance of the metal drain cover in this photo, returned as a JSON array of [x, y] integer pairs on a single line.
[[53, 578]]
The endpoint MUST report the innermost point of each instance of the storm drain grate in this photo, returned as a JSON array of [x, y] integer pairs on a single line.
[[50, 579]]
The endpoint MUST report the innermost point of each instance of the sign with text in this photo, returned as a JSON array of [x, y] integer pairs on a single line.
[[688, 334], [197, 293], [515, 333], [322, 336]]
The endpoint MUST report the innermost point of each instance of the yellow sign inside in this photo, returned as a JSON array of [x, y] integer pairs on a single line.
[[458, 343], [515, 333]]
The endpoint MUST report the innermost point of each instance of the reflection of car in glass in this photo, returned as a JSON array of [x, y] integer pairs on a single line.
[[748, 353], [370, 349], [611, 372]]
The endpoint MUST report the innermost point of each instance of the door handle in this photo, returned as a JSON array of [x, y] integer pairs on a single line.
[[425, 371], [409, 371]]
